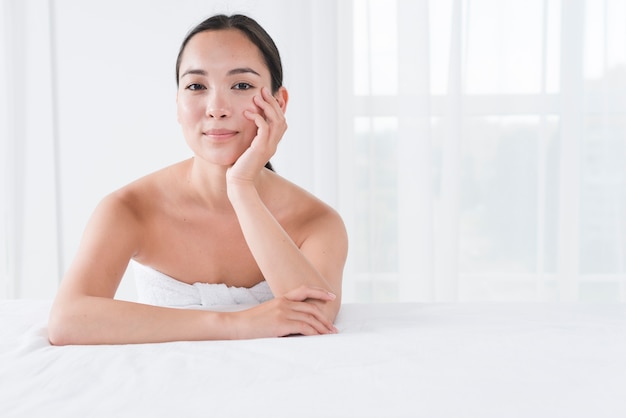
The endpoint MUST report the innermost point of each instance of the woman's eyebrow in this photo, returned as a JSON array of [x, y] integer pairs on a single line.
[[234, 71], [243, 70], [194, 71]]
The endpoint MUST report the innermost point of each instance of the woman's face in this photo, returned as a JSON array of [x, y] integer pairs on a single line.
[[220, 72]]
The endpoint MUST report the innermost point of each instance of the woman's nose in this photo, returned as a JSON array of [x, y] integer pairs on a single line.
[[217, 106]]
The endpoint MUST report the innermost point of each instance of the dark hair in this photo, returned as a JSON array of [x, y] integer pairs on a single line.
[[254, 32]]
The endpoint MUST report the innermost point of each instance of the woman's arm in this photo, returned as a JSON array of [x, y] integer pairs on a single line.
[[84, 311], [318, 262], [81, 319], [320, 259]]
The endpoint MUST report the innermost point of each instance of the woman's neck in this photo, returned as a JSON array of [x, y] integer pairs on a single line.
[[207, 184]]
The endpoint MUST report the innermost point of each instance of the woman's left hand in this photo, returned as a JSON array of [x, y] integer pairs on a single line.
[[271, 125]]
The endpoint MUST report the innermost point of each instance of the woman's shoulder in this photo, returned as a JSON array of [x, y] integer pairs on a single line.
[[293, 204], [143, 194]]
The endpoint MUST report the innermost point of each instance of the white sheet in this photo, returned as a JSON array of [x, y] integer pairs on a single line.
[[389, 360]]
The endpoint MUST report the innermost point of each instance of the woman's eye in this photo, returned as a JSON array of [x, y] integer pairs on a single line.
[[242, 86], [195, 86]]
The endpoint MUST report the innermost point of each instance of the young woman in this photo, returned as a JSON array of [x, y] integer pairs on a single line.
[[221, 224]]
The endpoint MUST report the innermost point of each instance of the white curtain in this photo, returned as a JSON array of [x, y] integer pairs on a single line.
[[483, 149], [475, 148], [28, 228], [4, 133]]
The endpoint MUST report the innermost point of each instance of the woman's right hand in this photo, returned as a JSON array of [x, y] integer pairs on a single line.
[[290, 314]]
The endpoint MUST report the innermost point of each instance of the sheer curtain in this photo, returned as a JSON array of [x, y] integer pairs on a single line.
[[28, 228], [482, 149], [4, 133]]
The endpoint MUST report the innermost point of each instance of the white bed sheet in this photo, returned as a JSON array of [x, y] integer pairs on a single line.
[[389, 360]]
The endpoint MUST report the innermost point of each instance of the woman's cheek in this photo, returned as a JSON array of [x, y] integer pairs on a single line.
[[185, 111]]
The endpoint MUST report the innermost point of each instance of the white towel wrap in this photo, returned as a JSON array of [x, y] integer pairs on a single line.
[[156, 288]]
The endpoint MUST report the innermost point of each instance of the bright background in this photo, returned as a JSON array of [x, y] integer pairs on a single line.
[[476, 149]]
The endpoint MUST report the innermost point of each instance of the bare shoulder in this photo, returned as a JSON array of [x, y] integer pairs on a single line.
[[305, 214], [315, 227], [147, 192], [117, 218], [127, 209], [124, 206]]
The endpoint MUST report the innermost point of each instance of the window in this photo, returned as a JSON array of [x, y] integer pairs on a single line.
[[482, 149]]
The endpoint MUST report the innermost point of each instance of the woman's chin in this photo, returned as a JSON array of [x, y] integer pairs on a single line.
[[221, 161]]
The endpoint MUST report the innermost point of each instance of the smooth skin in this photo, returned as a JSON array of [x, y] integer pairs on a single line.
[[219, 217]]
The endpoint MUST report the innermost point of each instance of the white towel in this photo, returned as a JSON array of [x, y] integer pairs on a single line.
[[156, 288]]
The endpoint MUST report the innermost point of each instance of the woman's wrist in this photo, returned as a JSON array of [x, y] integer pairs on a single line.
[[239, 190], [220, 326], [233, 325]]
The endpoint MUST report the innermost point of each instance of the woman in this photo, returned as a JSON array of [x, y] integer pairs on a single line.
[[222, 218]]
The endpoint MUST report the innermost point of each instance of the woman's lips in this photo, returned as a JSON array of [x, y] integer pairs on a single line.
[[219, 134]]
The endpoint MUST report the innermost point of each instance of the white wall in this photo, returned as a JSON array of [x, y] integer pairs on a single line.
[[104, 72]]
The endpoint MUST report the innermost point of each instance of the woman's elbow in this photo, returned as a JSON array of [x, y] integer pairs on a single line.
[[61, 330], [56, 334]]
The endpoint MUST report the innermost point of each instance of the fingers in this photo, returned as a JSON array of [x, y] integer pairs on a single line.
[[306, 311], [269, 105], [260, 122], [271, 125], [287, 315], [271, 113], [303, 293], [311, 319]]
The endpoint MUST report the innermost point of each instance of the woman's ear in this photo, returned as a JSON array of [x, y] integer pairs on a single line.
[[282, 97]]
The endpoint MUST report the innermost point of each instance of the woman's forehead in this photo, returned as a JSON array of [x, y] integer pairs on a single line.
[[222, 47]]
